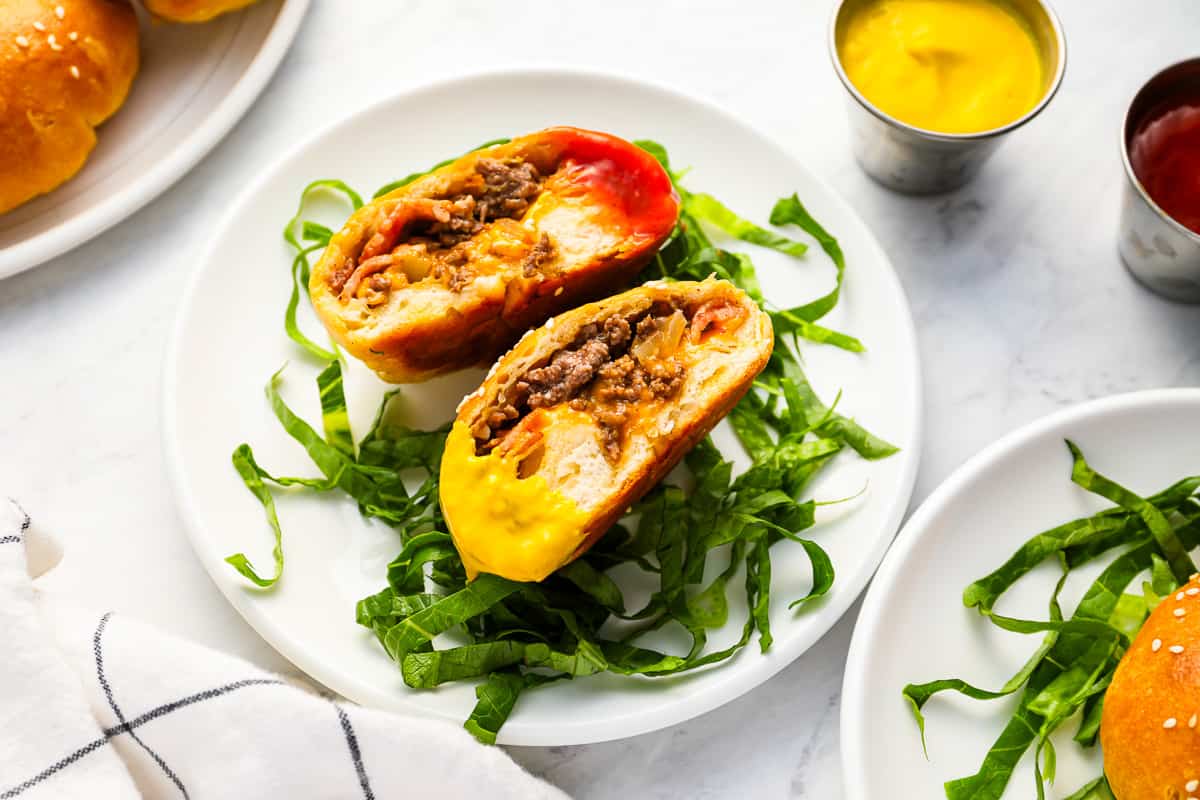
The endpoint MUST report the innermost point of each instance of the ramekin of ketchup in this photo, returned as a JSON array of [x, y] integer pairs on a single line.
[[1165, 155], [1160, 215]]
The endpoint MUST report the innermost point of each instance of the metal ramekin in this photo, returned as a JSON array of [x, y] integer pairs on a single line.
[[917, 161], [1160, 252]]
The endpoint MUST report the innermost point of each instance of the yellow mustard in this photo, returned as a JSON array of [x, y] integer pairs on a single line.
[[950, 66], [518, 528]]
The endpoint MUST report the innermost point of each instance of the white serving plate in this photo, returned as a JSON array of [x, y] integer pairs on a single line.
[[229, 339], [914, 628], [195, 82]]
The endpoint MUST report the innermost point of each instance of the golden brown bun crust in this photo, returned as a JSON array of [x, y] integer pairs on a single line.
[[712, 398], [47, 114], [193, 10], [424, 330], [1146, 756]]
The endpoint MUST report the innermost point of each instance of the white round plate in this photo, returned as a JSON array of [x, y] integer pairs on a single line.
[[229, 339], [195, 82], [914, 628]]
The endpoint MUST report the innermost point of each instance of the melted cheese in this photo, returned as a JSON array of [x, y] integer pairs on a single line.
[[518, 528]]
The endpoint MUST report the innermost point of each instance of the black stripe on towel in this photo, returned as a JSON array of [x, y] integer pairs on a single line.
[[355, 753], [199, 697], [17, 537], [53, 768], [127, 727], [108, 694]]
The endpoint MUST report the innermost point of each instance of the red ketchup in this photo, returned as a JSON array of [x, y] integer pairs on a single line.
[[624, 177], [1165, 154]]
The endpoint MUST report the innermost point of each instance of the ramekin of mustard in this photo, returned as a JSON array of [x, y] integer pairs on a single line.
[[935, 84]]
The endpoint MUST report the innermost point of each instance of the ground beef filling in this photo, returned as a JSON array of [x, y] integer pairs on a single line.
[[507, 192], [541, 254], [597, 374], [570, 370], [499, 190], [340, 275]]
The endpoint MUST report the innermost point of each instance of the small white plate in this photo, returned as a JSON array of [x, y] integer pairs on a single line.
[[229, 339], [195, 82], [914, 628]]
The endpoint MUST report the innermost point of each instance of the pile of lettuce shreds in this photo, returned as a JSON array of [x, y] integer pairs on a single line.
[[522, 635], [1067, 676]]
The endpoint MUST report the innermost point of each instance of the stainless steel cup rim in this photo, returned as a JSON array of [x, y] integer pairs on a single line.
[[1175, 224], [1060, 41]]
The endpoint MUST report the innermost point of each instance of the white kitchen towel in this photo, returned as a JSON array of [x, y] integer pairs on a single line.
[[95, 705]]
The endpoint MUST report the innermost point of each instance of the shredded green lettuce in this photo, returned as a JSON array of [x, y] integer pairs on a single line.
[[710, 209], [519, 636], [313, 238], [1069, 673]]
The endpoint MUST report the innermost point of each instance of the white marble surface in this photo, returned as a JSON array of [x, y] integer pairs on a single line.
[[1020, 300]]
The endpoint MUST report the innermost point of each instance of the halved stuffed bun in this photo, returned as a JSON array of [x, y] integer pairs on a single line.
[[587, 413], [448, 271]]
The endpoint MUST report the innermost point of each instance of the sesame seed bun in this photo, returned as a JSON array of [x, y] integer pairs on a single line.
[[1150, 731], [193, 10], [65, 67]]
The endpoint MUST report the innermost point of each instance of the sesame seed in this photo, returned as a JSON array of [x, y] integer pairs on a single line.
[[1155, 645], [52, 40], [22, 41], [1192, 721], [558, 291], [38, 26], [1179, 596], [55, 46], [74, 71], [72, 36], [1194, 575], [1192, 592], [1176, 648], [1179, 612], [1192, 785], [60, 12], [1169, 723]]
